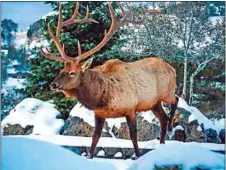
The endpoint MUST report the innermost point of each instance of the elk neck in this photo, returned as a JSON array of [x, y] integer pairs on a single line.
[[93, 89]]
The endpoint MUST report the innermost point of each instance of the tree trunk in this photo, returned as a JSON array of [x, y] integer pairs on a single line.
[[191, 89], [185, 78]]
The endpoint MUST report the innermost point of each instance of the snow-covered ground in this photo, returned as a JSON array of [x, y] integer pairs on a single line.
[[28, 154], [112, 142], [24, 153], [42, 115], [190, 156]]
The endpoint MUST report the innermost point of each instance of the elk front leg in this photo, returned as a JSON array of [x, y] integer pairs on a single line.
[[172, 113], [163, 119], [132, 123], [99, 124]]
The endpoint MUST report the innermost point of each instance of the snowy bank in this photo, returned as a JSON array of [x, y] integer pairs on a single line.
[[197, 115], [105, 142], [28, 154], [42, 115], [190, 156]]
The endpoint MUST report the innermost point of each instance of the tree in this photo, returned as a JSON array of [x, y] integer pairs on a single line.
[[43, 71], [211, 49], [8, 28]]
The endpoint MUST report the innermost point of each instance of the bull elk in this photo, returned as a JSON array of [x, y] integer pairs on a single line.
[[114, 89]]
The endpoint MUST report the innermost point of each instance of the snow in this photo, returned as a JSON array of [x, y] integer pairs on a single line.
[[20, 39], [112, 142], [118, 155], [52, 13], [174, 154], [199, 129], [101, 153], [88, 116], [14, 83], [41, 115], [37, 43], [197, 115], [219, 124], [11, 71], [15, 62], [27, 154], [178, 127], [32, 56]]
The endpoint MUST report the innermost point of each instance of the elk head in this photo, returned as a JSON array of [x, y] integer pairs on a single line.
[[74, 67]]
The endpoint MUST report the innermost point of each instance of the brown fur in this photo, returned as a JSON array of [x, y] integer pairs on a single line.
[[118, 89]]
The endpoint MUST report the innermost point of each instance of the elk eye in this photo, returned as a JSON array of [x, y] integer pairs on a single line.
[[72, 73]]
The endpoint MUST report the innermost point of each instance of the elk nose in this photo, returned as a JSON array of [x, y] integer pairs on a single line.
[[55, 86]]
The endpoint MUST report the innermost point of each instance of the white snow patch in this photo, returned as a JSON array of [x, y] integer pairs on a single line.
[[112, 142], [32, 56], [118, 155], [14, 63], [37, 43], [52, 13], [174, 154], [178, 127], [199, 128], [101, 153], [20, 39], [11, 71], [28, 154], [84, 154], [197, 115], [88, 116], [14, 83], [41, 115]]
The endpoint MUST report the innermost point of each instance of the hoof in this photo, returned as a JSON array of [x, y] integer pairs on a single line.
[[89, 157], [135, 157]]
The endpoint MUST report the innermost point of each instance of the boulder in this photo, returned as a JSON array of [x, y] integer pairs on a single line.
[[76, 126], [17, 129], [211, 136], [222, 136], [145, 130]]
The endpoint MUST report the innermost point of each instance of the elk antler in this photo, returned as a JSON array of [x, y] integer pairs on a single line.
[[107, 35]]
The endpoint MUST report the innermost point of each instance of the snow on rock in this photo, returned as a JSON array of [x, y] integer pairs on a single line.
[[101, 153], [41, 115], [199, 128], [173, 154], [27, 154], [118, 155], [20, 39], [197, 115]]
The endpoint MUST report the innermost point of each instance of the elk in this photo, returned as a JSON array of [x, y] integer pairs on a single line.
[[116, 88]]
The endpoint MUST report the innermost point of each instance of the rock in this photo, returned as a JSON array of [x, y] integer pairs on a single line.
[[192, 134], [211, 136], [145, 130], [17, 129], [222, 136], [76, 126], [179, 135]]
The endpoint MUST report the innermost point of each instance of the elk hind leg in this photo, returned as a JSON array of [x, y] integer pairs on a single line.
[[163, 119], [99, 124], [172, 113], [132, 123]]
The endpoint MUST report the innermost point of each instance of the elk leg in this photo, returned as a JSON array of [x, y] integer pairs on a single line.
[[172, 113], [163, 119], [132, 123], [99, 124]]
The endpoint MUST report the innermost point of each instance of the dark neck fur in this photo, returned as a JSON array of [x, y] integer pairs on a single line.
[[92, 91]]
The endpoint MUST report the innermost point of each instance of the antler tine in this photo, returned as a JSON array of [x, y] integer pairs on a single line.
[[73, 19], [50, 56]]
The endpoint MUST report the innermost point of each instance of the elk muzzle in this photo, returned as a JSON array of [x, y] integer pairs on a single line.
[[55, 86]]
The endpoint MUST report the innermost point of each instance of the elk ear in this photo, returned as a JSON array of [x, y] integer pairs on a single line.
[[87, 64]]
